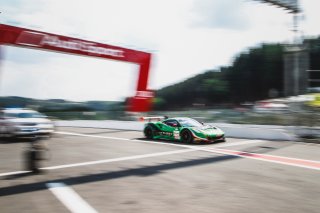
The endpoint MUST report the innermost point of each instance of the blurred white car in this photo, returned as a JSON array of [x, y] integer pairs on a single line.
[[16, 122]]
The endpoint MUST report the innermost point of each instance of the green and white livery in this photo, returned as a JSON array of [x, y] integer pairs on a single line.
[[182, 129]]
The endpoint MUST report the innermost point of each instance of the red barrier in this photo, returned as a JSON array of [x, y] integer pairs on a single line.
[[22, 37]]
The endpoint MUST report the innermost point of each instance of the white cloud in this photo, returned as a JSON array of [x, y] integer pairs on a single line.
[[68, 77]]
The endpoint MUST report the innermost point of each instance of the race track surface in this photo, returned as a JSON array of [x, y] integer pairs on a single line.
[[106, 170]]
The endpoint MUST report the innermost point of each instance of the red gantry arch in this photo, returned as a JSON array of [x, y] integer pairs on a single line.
[[22, 37]]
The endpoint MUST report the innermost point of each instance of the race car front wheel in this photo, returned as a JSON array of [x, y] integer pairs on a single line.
[[148, 132], [186, 136]]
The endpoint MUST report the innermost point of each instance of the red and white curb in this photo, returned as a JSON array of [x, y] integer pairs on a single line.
[[308, 164]]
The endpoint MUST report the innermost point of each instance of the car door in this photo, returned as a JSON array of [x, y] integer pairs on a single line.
[[170, 129]]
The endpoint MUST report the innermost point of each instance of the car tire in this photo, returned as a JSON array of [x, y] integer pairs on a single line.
[[186, 136], [148, 132]]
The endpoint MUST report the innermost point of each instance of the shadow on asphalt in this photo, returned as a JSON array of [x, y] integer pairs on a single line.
[[143, 171], [15, 140]]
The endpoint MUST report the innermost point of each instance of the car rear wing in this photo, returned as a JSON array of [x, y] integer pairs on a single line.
[[154, 118]]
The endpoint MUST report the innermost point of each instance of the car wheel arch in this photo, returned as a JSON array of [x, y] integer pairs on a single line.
[[187, 131]]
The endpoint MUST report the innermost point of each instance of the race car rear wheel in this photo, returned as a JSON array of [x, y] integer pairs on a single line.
[[186, 136], [148, 132]]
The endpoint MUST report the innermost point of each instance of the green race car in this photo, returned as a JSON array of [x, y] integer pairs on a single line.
[[186, 130]]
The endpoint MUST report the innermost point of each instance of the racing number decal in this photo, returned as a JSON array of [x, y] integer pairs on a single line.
[[176, 134]]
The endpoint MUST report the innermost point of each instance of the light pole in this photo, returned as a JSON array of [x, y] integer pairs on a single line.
[[291, 84]]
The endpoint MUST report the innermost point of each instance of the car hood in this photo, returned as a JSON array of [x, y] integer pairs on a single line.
[[208, 129]]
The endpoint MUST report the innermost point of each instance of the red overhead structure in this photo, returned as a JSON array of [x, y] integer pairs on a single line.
[[22, 37]]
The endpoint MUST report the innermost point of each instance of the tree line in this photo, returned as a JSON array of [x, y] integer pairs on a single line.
[[255, 74]]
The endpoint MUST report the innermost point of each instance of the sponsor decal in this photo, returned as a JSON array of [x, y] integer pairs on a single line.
[[166, 133], [35, 39], [144, 94]]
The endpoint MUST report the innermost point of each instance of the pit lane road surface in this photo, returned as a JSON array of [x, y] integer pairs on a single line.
[[106, 170]]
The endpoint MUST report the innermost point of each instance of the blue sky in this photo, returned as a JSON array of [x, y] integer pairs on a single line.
[[186, 37]]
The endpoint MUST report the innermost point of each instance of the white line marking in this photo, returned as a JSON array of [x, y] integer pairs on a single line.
[[104, 161], [118, 159], [208, 149], [158, 142], [190, 148], [70, 198], [90, 136], [13, 173]]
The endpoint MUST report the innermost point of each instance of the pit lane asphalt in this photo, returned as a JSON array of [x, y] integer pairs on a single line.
[[139, 179]]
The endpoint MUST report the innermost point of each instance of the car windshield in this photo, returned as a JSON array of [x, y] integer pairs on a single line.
[[25, 115], [188, 122]]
